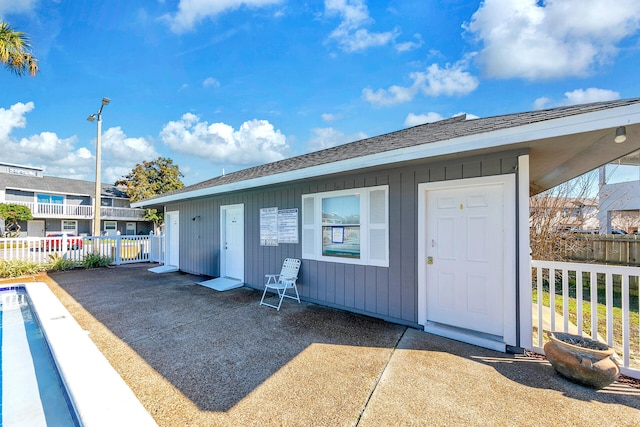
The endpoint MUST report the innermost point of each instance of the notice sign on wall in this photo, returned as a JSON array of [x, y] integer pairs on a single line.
[[269, 227], [278, 226], [288, 226]]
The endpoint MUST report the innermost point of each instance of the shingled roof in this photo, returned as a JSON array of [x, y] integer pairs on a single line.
[[51, 184], [429, 133]]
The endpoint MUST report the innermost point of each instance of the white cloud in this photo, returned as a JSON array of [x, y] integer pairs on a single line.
[[192, 12], [119, 149], [411, 45], [349, 34], [431, 117], [435, 81], [327, 117], [551, 39], [15, 7], [61, 157], [45, 149], [329, 137], [255, 142], [13, 118], [578, 96], [419, 119], [541, 103], [592, 94], [210, 82]]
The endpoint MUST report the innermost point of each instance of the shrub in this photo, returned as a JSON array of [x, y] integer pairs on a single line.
[[58, 263], [94, 260], [18, 267]]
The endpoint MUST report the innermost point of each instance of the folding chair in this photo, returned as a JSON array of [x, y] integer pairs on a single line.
[[283, 281]]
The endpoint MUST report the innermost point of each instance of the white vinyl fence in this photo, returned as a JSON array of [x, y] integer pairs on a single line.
[[121, 249], [594, 300]]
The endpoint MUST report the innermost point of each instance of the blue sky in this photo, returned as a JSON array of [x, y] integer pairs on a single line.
[[227, 84]]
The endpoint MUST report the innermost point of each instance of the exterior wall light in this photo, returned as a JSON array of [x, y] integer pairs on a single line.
[[621, 135]]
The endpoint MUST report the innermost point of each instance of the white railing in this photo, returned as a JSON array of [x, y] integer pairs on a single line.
[[594, 300], [52, 210], [121, 249], [121, 213]]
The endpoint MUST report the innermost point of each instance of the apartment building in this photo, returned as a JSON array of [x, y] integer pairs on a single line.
[[67, 205]]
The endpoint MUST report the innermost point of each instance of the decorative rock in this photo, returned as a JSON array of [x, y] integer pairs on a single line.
[[581, 359]]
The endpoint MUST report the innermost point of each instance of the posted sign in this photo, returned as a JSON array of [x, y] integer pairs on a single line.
[[278, 226]]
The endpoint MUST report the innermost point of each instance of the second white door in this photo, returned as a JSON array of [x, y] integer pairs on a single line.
[[232, 241], [465, 259]]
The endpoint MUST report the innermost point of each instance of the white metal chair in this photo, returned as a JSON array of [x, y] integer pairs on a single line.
[[282, 282]]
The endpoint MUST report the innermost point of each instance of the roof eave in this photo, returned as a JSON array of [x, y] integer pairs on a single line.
[[507, 138]]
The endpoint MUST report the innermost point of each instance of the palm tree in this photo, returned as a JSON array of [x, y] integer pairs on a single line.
[[15, 51]]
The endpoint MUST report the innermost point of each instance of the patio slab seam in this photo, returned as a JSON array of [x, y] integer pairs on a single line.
[[382, 371]]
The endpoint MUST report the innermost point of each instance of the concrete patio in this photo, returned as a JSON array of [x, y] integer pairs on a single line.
[[198, 357]]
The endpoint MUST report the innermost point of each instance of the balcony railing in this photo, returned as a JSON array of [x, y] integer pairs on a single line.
[[51, 210], [121, 213]]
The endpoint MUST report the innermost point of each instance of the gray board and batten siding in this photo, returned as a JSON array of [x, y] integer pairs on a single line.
[[390, 292]]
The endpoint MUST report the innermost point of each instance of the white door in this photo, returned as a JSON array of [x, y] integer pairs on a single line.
[[131, 229], [232, 241], [465, 257], [35, 228], [172, 221]]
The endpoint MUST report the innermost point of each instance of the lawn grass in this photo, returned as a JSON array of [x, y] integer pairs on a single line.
[[634, 316]]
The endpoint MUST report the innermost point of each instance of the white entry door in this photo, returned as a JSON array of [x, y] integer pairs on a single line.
[[232, 241], [172, 223], [465, 257], [35, 228]]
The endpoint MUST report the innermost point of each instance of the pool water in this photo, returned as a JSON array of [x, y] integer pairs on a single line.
[[32, 393]]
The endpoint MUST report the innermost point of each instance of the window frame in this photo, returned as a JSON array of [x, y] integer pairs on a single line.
[[69, 222], [312, 227]]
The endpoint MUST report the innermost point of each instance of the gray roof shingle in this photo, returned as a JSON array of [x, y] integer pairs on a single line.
[[57, 185]]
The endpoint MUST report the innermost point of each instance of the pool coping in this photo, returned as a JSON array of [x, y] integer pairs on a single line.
[[98, 394]]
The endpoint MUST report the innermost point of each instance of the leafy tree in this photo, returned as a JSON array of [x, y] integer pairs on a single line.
[[15, 51], [13, 213], [151, 179]]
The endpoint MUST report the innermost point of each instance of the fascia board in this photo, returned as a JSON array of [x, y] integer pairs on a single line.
[[579, 123], [41, 191]]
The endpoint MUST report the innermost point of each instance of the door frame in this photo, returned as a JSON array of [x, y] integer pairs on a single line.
[[223, 233], [33, 223], [172, 253], [510, 281]]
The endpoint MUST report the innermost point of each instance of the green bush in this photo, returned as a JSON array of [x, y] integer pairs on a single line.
[[94, 260], [58, 263], [18, 267]]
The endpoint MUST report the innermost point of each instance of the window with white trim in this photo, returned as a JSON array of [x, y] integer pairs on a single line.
[[347, 226], [70, 226]]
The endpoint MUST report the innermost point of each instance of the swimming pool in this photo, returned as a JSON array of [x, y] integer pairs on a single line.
[[32, 391], [96, 392]]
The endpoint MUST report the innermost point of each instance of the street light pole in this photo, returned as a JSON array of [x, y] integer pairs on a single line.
[[97, 196]]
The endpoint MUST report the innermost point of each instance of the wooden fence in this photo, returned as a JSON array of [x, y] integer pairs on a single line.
[[605, 249]]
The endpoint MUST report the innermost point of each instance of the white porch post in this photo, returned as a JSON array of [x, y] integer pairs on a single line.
[[524, 254]]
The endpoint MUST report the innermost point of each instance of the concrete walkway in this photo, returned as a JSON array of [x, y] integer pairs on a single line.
[[198, 357]]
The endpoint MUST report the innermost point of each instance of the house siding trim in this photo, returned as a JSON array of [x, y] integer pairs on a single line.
[[523, 261]]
